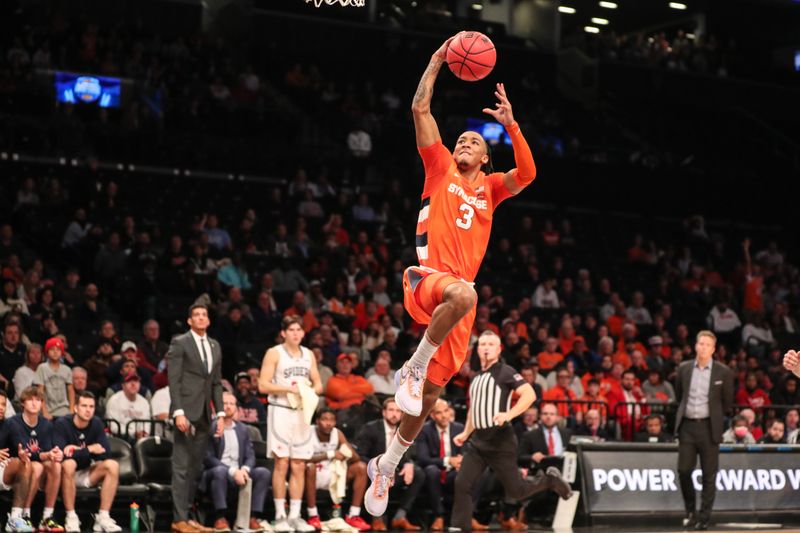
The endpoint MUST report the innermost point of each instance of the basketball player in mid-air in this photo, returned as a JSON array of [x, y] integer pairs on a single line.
[[288, 435], [455, 220]]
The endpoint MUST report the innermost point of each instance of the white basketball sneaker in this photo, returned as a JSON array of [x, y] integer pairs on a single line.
[[377, 497], [409, 381]]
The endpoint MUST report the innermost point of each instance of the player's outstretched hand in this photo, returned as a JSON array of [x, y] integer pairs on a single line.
[[791, 360], [441, 53], [502, 113]]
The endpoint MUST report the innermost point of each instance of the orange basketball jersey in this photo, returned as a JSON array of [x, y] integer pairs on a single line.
[[455, 218]]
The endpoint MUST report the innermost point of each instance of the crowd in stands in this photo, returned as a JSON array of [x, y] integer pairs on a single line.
[[682, 51]]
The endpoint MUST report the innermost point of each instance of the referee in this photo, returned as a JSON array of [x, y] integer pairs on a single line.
[[494, 443]]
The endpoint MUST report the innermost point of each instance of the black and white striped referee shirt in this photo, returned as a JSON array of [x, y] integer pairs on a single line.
[[490, 393]]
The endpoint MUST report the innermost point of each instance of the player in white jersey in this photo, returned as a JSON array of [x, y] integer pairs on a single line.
[[328, 441], [288, 436]]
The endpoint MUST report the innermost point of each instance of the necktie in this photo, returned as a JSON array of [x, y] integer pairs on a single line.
[[443, 474], [551, 444], [204, 354]]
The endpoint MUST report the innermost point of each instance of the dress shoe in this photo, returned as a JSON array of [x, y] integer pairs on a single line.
[[378, 525], [183, 527], [689, 520], [221, 525], [438, 524], [404, 525], [701, 524], [477, 526], [200, 528]]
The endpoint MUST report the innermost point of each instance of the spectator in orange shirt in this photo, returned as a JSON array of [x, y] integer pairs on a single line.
[[566, 335], [346, 389], [561, 394], [616, 320], [598, 400], [299, 308], [623, 357], [629, 333], [639, 366], [550, 357], [367, 312]]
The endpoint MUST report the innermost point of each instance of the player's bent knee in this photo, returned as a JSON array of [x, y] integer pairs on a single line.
[[462, 297]]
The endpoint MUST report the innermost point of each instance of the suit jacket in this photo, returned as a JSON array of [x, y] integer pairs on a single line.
[[191, 386], [371, 441], [535, 441], [216, 446], [428, 444], [583, 430], [720, 398]]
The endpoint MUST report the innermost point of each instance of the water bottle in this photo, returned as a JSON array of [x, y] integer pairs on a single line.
[[337, 511], [134, 527]]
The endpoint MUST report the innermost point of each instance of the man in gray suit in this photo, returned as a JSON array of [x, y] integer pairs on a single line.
[[705, 389], [195, 374]]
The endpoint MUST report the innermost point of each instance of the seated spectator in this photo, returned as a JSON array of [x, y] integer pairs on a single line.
[[751, 417], [325, 371], [346, 389], [15, 476], [440, 457], [528, 421], [550, 357], [127, 405], [654, 431], [97, 368], [595, 400], [250, 410], [32, 434], [775, 433], [725, 324], [12, 353], [629, 413], [545, 295], [582, 357], [382, 378], [561, 395], [108, 332], [79, 380], [119, 370], [86, 463], [230, 461], [637, 312], [328, 447], [656, 358], [791, 422], [55, 381], [24, 376], [656, 390], [299, 308], [751, 394], [739, 432], [787, 393], [592, 426], [409, 478], [548, 440], [574, 381], [151, 348]]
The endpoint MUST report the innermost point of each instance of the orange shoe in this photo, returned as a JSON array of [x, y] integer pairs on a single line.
[[477, 526], [357, 522], [512, 524], [378, 525], [221, 525], [404, 525], [438, 524]]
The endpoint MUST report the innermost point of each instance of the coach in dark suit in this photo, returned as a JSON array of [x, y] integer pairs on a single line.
[[194, 369], [705, 389], [548, 440], [370, 442], [440, 459]]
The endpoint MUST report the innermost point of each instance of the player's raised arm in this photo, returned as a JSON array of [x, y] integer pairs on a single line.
[[424, 123], [516, 179]]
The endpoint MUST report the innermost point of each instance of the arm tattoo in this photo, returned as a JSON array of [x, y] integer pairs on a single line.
[[422, 89]]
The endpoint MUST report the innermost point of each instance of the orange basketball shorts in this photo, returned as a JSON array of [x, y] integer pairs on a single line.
[[423, 290]]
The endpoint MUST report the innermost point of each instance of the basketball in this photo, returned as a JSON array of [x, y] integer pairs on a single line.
[[471, 56]]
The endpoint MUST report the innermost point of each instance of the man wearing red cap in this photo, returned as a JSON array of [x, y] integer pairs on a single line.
[[127, 405], [55, 381], [346, 389]]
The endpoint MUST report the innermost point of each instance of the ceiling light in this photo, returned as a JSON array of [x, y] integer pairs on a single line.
[[602, 22], [565, 9], [691, 36], [591, 29], [477, 7], [677, 5], [608, 5]]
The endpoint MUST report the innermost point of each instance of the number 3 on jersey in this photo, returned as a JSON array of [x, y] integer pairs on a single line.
[[465, 221]]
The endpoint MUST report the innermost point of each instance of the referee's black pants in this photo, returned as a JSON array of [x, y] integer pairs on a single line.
[[695, 439], [495, 448]]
